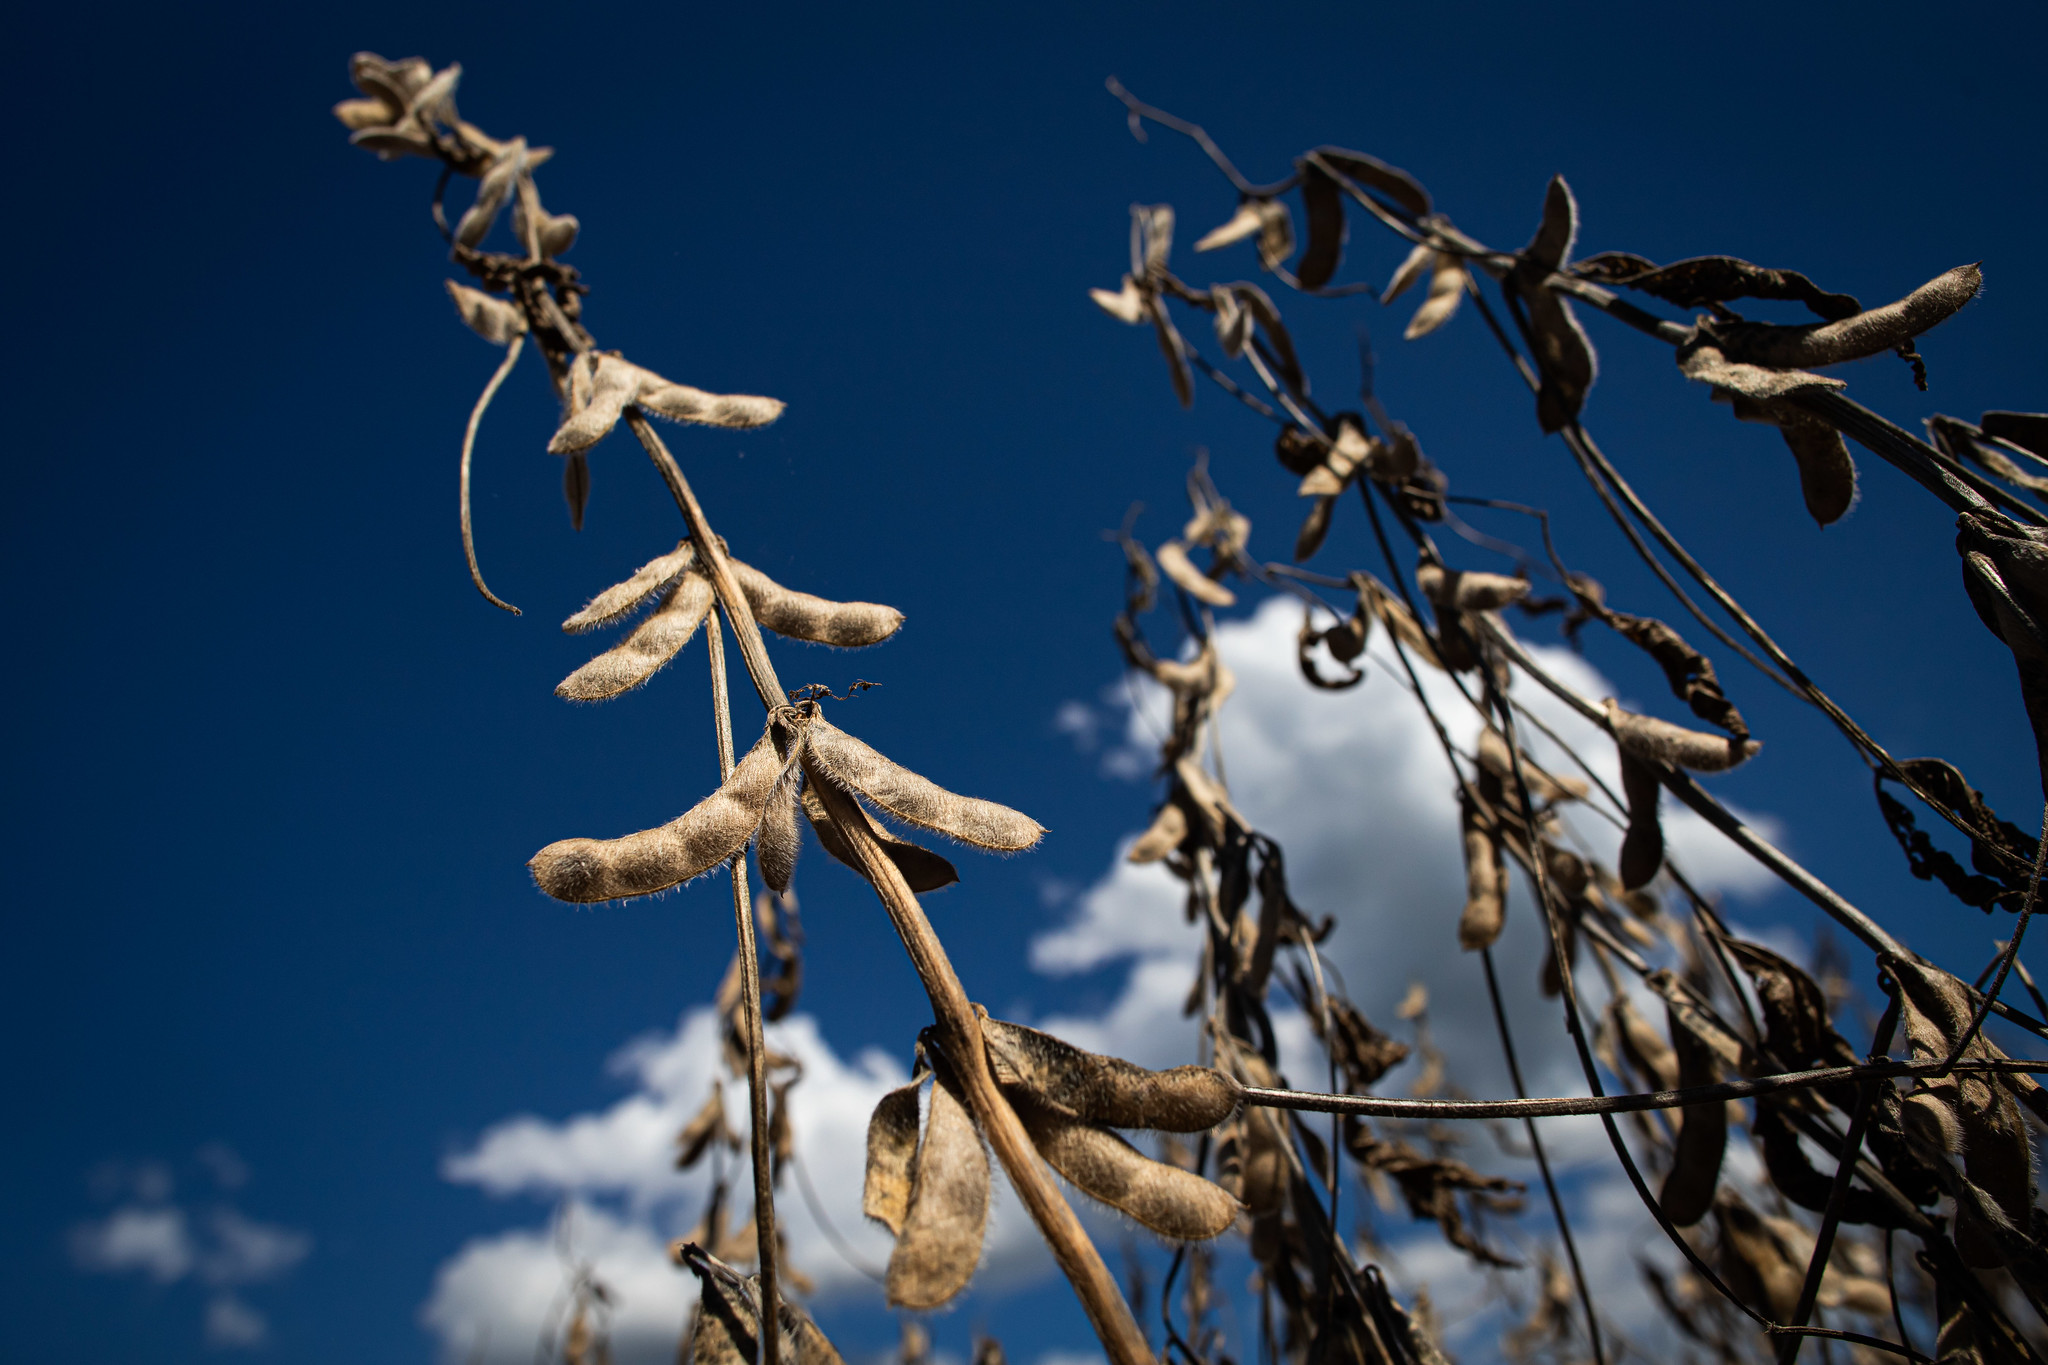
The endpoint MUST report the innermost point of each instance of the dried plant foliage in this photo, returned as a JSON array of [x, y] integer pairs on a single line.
[[1564, 357], [939, 1243], [1064, 1079]]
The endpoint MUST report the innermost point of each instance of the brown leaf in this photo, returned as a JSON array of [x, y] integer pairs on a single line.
[[940, 1242], [892, 1148], [922, 869], [1705, 280]]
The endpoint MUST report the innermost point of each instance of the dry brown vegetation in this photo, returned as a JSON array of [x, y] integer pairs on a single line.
[[1897, 1174]]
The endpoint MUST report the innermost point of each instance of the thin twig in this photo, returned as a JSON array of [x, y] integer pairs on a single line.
[[476, 417]]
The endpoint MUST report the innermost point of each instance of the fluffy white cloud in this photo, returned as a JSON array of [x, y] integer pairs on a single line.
[[1352, 785], [154, 1242]]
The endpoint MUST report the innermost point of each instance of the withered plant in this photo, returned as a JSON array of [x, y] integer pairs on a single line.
[[1935, 1144], [1856, 1144]]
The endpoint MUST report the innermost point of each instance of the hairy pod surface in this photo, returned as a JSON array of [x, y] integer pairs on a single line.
[[892, 1148], [1099, 1089], [495, 320], [586, 870], [1485, 887], [1170, 1201], [923, 869], [600, 391], [800, 616], [652, 644], [1469, 590], [725, 1328], [1659, 741], [778, 841], [617, 601], [1867, 333], [940, 1242], [916, 800]]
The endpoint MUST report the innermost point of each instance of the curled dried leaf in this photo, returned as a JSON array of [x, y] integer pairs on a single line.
[[939, 1244], [892, 1147], [1171, 1202], [585, 870], [1863, 334], [652, 644], [1108, 1090], [1175, 564], [913, 799], [615, 602], [1659, 741], [800, 616], [495, 320]]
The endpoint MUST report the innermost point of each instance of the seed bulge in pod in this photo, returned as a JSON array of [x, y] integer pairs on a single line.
[[1659, 741], [800, 616], [652, 644], [1172, 1202], [1098, 1089], [916, 800], [585, 870], [940, 1243]]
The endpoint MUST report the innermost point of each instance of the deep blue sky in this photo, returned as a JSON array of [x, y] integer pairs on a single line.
[[277, 768]]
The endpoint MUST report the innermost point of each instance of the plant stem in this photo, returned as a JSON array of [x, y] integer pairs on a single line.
[[959, 1033], [750, 1007]]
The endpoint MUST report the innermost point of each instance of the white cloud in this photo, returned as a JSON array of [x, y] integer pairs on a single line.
[[1352, 785], [247, 1252], [234, 1324], [155, 1242]]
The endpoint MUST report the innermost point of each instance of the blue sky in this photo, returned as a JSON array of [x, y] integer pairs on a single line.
[[274, 956]]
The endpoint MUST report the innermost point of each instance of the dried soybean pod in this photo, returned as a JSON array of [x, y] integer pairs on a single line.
[[1644, 1046], [923, 869], [778, 841], [800, 616], [596, 399], [707, 1127], [1827, 473], [1659, 741], [725, 1329], [1642, 847], [1165, 834], [1564, 357], [940, 1242], [652, 644], [892, 1145], [1099, 1089], [1395, 183], [1863, 334], [1175, 564], [1702, 1135], [913, 799], [1173, 348], [1126, 304], [1323, 201], [1245, 222], [495, 320], [619, 599], [584, 870], [1408, 272], [1447, 286], [1172, 1202], [1485, 885], [681, 403], [1315, 527]]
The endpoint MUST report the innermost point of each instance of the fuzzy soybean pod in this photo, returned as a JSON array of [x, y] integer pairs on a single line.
[[495, 320], [1485, 885], [1659, 741], [1702, 1135], [779, 839], [913, 799], [1460, 590], [585, 870], [1862, 334], [1642, 847], [601, 388], [652, 644], [940, 1242], [892, 1149], [617, 601], [1168, 830], [1170, 1201], [1099, 1089], [800, 616]]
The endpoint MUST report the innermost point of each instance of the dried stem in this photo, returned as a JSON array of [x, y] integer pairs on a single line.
[[750, 1008], [959, 1035], [476, 417]]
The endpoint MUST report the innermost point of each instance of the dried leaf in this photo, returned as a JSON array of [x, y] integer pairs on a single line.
[[652, 644], [1689, 672], [800, 616], [1695, 1172], [1706, 280], [585, 870], [940, 1242], [1109, 1090], [1171, 1202], [1314, 528], [495, 320], [1659, 741], [892, 1147], [1175, 564], [922, 869], [1863, 334], [615, 602], [707, 1127], [914, 799], [1165, 834], [1323, 201]]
